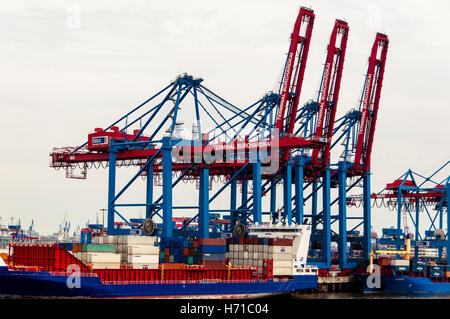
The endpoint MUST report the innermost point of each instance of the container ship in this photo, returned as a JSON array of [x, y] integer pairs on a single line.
[[413, 269], [270, 260]]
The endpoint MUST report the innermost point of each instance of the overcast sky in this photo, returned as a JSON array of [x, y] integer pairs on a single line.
[[70, 66]]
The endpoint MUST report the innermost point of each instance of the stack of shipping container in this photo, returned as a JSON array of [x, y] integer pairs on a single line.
[[140, 252], [97, 255], [253, 251], [212, 252]]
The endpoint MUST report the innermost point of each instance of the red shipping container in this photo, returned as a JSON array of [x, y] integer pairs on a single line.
[[280, 242], [214, 264], [174, 266], [212, 241]]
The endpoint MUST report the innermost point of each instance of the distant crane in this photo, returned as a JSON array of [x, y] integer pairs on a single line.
[[30, 229], [76, 231], [64, 230]]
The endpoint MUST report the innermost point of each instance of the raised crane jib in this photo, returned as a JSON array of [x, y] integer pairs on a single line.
[[294, 70], [329, 90], [370, 102]]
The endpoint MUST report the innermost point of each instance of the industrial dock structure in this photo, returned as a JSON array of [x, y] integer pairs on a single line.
[[273, 145], [284, 144]]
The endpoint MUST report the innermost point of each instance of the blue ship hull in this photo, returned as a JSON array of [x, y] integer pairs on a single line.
[[406, 284], [25, 283]]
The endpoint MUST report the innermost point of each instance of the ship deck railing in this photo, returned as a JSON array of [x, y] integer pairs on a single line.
[[202, 281], [65, 273]]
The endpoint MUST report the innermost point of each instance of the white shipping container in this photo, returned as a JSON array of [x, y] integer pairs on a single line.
[[108, 240], [283, 256], [282, 264], [117, 239], [143, 259], [142, 250], [282, 271], [145, 266], [97, 240], [138, 240], [99, 257], [281, 249], [400, 262], [99, 265]]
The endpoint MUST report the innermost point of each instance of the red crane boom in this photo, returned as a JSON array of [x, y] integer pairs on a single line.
[[290, 91], [330, 86], [370, 103]]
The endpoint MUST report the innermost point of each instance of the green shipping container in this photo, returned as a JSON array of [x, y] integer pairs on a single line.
[[195, 251], [110, 248], [171, 258], [190, 260], [161, 255]]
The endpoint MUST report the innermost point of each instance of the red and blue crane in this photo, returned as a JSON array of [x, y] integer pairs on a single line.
[[271, 140]]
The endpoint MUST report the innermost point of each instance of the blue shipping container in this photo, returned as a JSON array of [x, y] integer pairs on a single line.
[[419, 268], [436, 271], [401, 268], [211, 249], [212, 257]]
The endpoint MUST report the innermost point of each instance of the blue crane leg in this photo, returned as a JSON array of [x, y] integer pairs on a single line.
[[203, 217], [111, 190], [273, 198], [244, 192], [416, 235], [298, 190], [149, 194], [326, 234], [287, 192], [342, 243], [257, 198], [314, 208], [367, 218], [233, 194], [167, 188]]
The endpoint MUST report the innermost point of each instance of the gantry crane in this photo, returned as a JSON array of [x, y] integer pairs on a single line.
[[235, 159], [357, 133], [412, 195], [146, 137]]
